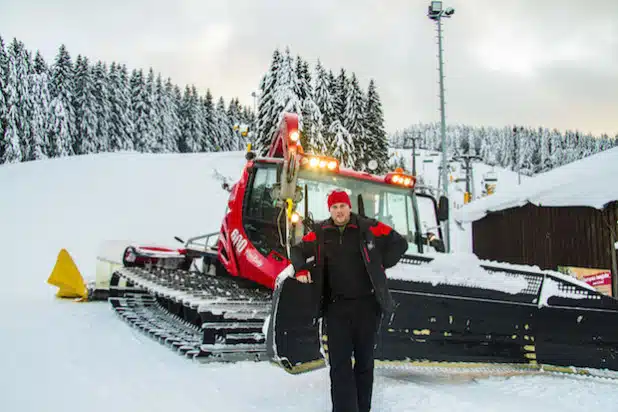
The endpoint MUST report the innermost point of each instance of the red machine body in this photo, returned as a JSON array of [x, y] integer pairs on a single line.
[[236, 253]]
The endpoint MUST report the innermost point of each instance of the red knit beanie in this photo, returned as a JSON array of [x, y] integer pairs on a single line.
[[338, 196]]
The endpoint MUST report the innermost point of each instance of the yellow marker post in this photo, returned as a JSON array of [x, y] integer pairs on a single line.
[[67, 278]]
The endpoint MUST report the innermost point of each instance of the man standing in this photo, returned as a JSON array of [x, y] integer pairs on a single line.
[[345, 257]]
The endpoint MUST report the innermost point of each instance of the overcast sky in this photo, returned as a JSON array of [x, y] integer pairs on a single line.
[[527, 62]]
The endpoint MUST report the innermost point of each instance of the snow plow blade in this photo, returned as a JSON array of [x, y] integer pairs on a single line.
[[528, 319], [67, 278], [509, 316], [293, 338]]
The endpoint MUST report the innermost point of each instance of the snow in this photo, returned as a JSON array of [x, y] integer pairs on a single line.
[[464, 269], [590, 181], [59, 354], [460, 269], [551, 288]]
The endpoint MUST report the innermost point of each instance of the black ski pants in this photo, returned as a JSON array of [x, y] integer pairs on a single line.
[[351, 327]]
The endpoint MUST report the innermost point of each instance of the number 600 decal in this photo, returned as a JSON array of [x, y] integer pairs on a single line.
[[238, 241]]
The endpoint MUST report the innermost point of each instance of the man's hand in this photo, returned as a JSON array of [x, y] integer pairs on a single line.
[[304, 276]]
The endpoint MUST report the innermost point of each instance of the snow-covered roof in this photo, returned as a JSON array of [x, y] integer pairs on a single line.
[[590, 181]]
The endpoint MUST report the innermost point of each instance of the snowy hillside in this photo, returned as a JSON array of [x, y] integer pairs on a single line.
[[59, 355]]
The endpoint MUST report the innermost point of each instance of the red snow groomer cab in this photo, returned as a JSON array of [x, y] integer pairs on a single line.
[[224, 296], [270, 206]]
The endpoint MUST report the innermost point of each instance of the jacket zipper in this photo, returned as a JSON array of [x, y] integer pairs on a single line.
[[366, 260]]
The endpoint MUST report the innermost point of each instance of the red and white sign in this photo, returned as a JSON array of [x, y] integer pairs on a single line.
[[600, 279]]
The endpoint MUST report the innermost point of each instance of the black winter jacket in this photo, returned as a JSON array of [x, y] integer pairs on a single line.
[[381, 247]]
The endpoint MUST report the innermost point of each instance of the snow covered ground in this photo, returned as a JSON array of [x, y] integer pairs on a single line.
[[59, 355]]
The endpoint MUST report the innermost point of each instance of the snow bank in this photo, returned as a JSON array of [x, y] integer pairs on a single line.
[[464, 269], [458, 269]]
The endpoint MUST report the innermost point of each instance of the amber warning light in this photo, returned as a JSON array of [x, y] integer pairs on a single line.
[[320, 163], [294, 136], [399, 178]]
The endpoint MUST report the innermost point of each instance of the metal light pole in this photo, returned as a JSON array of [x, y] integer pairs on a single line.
[[518, 141], [254, 94], [414, 139], [436, 13]]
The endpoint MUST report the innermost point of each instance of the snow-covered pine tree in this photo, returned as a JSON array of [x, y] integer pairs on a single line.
[[190, 129], [234, 117], [41, 100], [140, 110], [375, 134], [476, 139], [247, 117], [41, 112], [4, 72], [557, 154], [102, 106], [154, 84], [286, 95], [170, 121], [266, 121], [224, 126], [312, 117], [453, 141], [303, 79], [487, 152], [543, 158], [206, 141], [84, 107], [339, 91], [61, 86], [354, 122], [324, 101], [39, 65], [302, 89], [396, 139], [571, 144], [343, 146], [150, 133], [210, 122], [521, 140], [506, 147], [17, 135], [185, 144], [121, 122], [336, 129], [528, 151], [177, 97]]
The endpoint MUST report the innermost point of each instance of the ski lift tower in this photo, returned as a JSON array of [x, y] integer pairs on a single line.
[[436, 13], [467, 166], [413, 139]]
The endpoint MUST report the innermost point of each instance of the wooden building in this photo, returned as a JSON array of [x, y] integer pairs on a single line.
[[567, 217]]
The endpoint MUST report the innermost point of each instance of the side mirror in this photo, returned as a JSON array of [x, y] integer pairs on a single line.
[[443, 209]]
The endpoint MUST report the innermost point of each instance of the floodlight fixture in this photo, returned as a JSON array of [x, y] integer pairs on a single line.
[[436, 13]]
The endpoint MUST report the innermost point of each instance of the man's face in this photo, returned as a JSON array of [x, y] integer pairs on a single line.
[[340, 212]]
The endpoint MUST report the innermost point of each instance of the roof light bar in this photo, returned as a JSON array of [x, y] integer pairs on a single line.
[[320, 163], [400, 179]]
